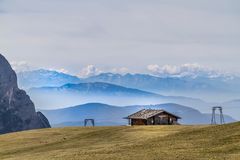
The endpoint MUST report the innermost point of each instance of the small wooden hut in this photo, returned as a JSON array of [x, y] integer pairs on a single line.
[[153, 117]]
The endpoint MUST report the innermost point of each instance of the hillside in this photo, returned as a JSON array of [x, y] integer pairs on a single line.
[[107, 143]]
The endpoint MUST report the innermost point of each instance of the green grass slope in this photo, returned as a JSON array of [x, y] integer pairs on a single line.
[[116, 143]]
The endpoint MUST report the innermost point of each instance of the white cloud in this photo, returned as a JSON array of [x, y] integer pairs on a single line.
[[61, 70], [122, 70], [20, 66], [166, 69], [189, 69], [89, 70]]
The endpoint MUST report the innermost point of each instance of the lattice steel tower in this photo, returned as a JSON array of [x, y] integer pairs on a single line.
[[92, 121], [214, 122]]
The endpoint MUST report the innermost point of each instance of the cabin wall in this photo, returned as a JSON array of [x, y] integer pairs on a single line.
[[162, 119], [138, 122], [166, 118]]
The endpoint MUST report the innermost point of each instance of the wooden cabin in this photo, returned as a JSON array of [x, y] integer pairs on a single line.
[[153, 117]]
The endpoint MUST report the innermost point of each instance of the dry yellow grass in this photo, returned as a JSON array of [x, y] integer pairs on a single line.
[[133, 143]]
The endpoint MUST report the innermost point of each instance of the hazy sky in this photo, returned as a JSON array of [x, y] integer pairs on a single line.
[[71, 34]]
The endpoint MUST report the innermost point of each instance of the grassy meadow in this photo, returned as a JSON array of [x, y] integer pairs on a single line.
[[120, 143]]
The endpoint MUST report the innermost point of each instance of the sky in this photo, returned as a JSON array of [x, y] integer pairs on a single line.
[[120, 35]]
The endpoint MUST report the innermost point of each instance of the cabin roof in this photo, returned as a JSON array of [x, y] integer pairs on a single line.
[[148, 113]]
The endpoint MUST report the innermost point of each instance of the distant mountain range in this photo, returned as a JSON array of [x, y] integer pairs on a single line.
[[41, 77], [226, 87], [73, 94], [56, 90], [107, 115]]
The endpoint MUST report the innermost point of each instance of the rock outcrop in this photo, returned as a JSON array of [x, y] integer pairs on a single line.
[[17, 111]]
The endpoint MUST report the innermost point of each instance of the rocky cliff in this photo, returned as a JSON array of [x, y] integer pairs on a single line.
[[17, 111]]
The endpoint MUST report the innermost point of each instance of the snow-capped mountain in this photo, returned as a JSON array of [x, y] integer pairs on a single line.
[[192, 70], [42, 77], [202, 86]]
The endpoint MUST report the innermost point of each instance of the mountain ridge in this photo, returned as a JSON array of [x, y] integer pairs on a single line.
[[41, 77], [198, 87], [104, 93]]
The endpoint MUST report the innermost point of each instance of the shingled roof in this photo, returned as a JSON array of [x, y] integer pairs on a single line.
[[148, 113]]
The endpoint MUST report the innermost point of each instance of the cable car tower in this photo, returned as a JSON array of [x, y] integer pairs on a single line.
[[222, 121], [92, 121]]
